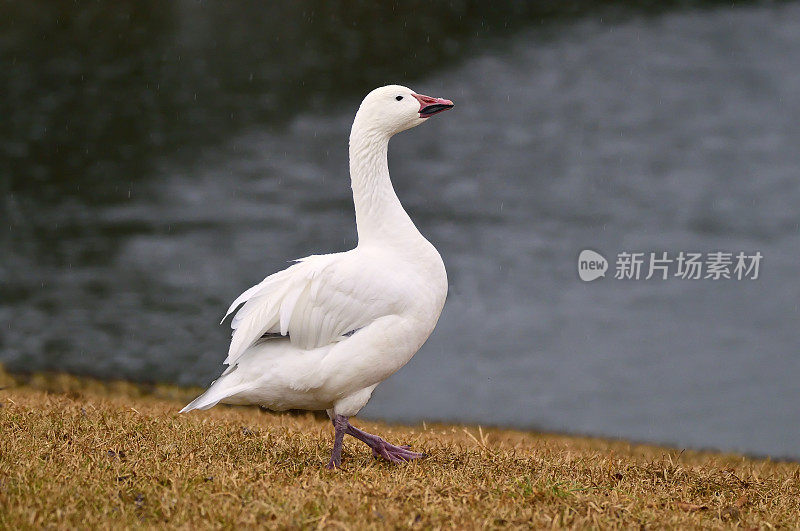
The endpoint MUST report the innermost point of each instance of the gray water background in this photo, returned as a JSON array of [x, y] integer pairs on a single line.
[[148, 180]]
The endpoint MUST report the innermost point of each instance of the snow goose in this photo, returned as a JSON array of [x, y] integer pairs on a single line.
[[323, 333]]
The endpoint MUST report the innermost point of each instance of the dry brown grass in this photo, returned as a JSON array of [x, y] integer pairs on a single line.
[[79, 453]]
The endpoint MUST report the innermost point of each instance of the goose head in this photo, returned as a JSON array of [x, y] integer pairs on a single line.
[[391, 109]]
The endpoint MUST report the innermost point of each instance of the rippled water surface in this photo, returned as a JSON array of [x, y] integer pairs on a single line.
[[136, 213]]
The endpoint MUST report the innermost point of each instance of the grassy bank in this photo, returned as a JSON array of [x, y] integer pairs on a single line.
[[77, 453]]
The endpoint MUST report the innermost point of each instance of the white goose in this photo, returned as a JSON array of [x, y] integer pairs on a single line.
[[323, 333]]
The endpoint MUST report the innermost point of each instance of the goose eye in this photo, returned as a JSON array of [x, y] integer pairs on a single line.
[[398, 98]]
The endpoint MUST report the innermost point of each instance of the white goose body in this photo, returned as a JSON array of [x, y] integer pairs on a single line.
[[323, 333]]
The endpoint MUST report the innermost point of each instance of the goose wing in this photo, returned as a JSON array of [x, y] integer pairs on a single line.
[[316, 301]]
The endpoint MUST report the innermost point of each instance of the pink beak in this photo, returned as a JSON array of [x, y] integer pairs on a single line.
[[429, 106]]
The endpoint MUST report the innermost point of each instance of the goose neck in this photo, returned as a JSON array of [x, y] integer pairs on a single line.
[[379, 215]]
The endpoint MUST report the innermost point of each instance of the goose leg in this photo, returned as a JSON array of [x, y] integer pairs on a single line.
[[380, 448], [340, 425]]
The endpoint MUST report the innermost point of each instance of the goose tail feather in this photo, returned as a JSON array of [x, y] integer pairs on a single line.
[[219, 390]]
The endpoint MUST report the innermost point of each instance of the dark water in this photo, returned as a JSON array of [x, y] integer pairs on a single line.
[[156, 161]]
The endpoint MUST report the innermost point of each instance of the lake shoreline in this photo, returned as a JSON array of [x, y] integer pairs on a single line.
[[63, 382]]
